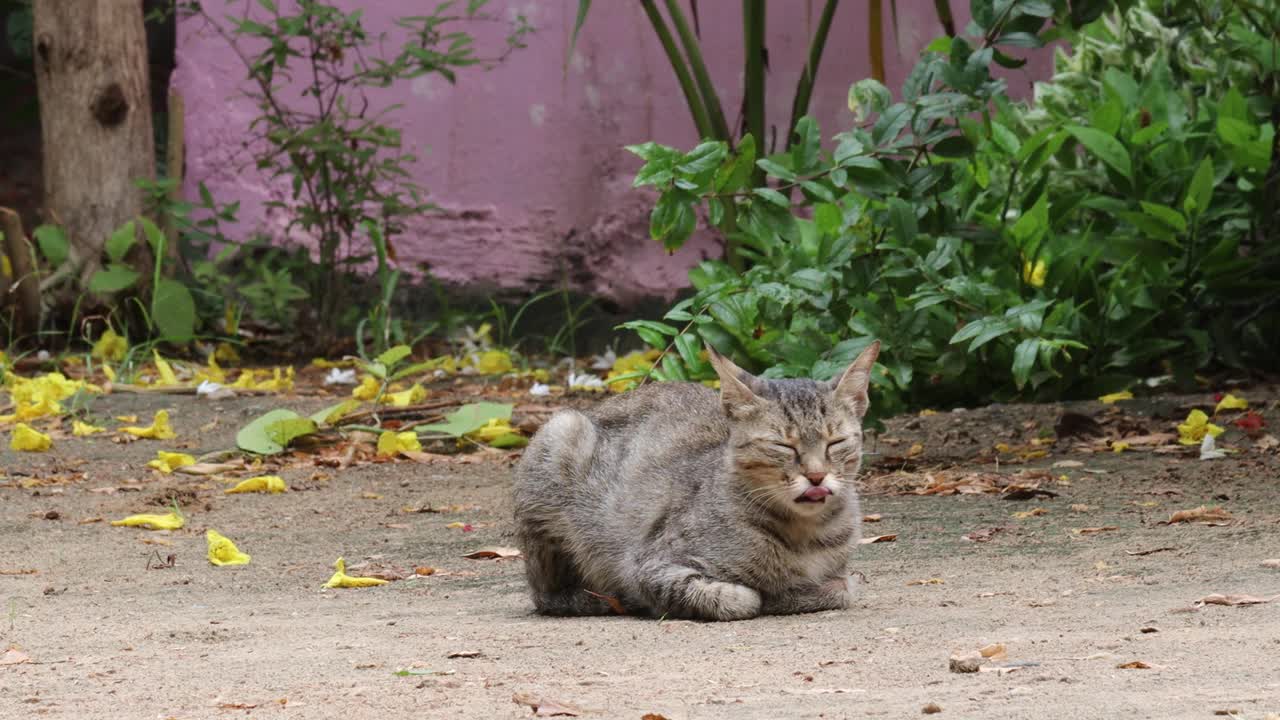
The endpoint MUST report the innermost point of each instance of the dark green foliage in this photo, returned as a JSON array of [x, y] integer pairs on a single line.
[[1121, 226]]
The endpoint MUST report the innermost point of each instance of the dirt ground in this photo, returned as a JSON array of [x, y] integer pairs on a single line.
[[102, 636]]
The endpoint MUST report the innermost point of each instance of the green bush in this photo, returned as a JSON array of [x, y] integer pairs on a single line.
[[1120, 227]]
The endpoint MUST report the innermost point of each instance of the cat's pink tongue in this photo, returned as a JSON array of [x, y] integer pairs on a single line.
[[816, 493]]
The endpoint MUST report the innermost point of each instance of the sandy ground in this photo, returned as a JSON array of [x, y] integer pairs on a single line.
[[105, 637]]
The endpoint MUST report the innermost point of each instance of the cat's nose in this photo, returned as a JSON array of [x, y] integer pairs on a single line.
[[816, 478]]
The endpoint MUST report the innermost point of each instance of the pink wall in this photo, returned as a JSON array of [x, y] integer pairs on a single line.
[[527, 159]]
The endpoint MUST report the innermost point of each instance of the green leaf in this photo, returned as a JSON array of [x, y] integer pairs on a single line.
[[1024, 360], [113, 278], [254, 437], [1005, 139], [806, 147], [1105, 147], [174, 311], [776, 169], [828, 218], [155, 237], [868, 96], [902, 218], [286, 430], [584, 6], [1166, 215], [335, 412], [688, 346], [53, 244], [118, 244], [469, 418], [954, 146], [772, 196], [672, 220], [394, 355], [1200, 191]]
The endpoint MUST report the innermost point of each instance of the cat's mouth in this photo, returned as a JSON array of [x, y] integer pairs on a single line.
[[816, 494]]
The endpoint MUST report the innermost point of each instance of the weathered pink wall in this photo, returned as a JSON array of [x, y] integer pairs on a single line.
[[527, 159]]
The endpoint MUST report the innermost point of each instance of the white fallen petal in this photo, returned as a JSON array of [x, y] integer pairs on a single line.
[[1209, 449], [340, 376], [214, 391], [540, 389], [604, 361]]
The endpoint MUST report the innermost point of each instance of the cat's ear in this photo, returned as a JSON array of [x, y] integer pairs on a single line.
[[737, 392], [850, 387]]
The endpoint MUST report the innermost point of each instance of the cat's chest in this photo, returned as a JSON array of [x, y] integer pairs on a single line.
[[787, 564]]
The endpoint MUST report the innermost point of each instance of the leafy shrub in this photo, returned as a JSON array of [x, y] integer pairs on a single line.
[[1121, 226]]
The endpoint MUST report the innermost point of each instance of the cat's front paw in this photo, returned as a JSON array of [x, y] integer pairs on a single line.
[[726, 601], [838, 593]]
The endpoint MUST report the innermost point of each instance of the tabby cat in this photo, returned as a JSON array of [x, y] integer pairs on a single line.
[[672, 501]]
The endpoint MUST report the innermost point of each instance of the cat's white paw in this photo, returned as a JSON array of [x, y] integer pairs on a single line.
[[727, 601]]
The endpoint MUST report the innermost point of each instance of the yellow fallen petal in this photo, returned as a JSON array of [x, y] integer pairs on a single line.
[[1034, 275], [109, 346], [341, 579], [495, 428], [1113, 397], [167, 462], [213, 372], [83, 429], [109, 372], [159, 429], [263, 483], [168, 521], [127, 418], [27, 439], [167, 376], [493, 362], [367, 389], [222, 551], [1119, 446], [405, 398], [226, 352], [391, 443], [1192, 431], [1231, 402]]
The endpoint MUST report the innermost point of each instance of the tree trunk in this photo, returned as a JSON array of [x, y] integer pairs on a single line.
[[95, 116]]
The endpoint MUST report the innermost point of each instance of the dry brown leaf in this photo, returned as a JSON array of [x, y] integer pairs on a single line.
[[878, 539], [1151, 440], [930, 581], [1068, 464], [1202, 514], [1081, 508], [994, 651], [542, 707], [370, 496], [396, 526], [377, 569], [18, 571], [983, 535], [931, 709], [1152, 551], [464, 654], [423, 570], [14, 656], [1266, 442], [90, 521], [1134, 665], [1220, 599], [237, 706], [209, 468], [653, 716], [1094, 530], [1033, 512], [492, 553], [872, 518], [915, 449]]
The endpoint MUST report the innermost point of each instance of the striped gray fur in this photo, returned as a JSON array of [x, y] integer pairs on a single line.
[[673, 500]]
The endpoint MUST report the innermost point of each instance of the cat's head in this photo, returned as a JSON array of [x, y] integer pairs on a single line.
[[796, 444]]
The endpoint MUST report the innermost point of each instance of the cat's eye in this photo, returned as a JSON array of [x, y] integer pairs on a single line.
[[835, 443], [785, 448]]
